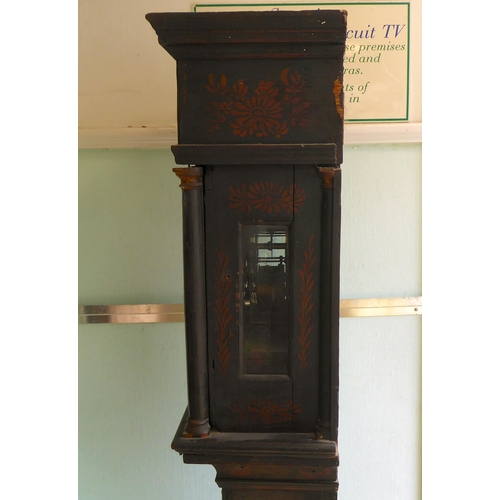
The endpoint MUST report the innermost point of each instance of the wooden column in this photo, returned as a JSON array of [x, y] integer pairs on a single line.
[[329, 303], [335, 303], [194, 298]]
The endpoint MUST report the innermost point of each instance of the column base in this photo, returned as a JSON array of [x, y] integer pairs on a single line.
[[196, 428]]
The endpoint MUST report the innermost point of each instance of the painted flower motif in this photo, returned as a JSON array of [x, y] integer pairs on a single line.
[[217, 114], [270, 412], [266, 412], [239, 199], [259, 115], [239, 413], [220, 88], [297, 198], [281, 129], [268, 197], [294, 84], [299, 114], [271, 111], [240, 90], [267, 88]]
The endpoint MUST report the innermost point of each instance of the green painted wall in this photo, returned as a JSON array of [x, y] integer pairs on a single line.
[[132, 380], [130, 232]]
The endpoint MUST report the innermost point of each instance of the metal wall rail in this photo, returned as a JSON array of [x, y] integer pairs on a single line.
[[172, 313]]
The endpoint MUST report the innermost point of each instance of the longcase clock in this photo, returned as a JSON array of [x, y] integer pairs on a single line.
[[260, 132]]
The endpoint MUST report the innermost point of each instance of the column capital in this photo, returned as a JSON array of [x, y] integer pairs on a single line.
[[327, 174], [191, 177]]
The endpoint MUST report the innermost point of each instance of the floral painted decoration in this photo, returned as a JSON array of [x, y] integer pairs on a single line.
[[269, 112], [266, 412], [267, 197]]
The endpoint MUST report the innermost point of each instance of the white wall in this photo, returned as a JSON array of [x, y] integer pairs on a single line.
[[380, 358]]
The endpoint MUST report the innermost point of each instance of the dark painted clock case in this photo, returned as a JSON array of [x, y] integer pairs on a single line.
[[260, 126]]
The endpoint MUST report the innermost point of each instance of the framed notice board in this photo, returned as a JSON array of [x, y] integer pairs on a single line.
[[377, 56]]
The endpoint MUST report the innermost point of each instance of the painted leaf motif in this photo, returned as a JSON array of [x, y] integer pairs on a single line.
[[223, 313], [306, 304], [284, 76], [211, 80]]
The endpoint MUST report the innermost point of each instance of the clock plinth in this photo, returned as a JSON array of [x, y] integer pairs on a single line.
[[259, 466]]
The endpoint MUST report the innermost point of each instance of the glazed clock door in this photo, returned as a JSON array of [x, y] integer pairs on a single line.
[[262, 240]]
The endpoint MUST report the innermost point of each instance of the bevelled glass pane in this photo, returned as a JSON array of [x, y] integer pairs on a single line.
[[265, 299]]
